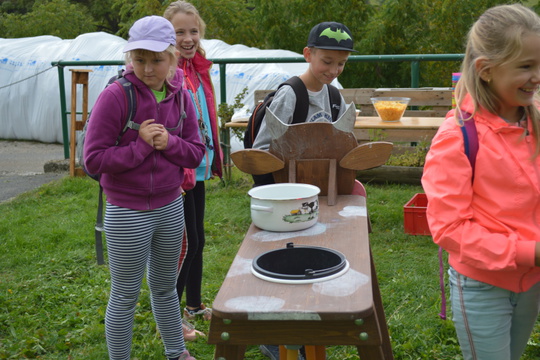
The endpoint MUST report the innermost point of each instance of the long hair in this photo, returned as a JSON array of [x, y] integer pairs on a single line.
[[497, 36], [187, 8]]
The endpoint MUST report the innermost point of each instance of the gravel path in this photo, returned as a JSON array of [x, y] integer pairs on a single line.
[[22, 166]]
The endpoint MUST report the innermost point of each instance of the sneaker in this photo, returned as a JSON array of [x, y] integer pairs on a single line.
[[185, 356], [191, 314], [272, 351]]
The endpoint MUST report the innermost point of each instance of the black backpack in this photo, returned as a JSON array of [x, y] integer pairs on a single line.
[[300, 110]]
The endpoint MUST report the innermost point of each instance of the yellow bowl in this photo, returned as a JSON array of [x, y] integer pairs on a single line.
[[390, 108]]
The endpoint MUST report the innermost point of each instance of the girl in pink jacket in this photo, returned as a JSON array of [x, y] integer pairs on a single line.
[[488, 218], [190, 28]]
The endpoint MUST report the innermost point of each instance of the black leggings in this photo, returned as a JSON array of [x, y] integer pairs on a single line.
[[190, 276]]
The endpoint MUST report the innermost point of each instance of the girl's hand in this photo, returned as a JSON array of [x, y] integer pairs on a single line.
[[149, 131], [161, 140]]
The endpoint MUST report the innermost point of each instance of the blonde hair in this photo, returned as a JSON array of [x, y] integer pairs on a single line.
[[497, 36], [170, 51], [188, 9]]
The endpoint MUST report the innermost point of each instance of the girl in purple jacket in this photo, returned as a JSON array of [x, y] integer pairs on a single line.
[[142, 177]]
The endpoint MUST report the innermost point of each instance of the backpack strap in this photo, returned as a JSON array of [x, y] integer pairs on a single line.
[[470, 139], [470, 142], [131, 101], [302, 99], [335, 101]]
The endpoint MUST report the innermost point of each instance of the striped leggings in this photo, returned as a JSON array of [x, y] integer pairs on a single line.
[[138, 241]]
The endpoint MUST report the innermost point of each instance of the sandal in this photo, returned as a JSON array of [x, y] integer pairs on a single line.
[[190, 333], [190, 314]]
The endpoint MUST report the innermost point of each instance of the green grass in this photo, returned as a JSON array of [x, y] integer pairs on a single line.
[[53, 294]]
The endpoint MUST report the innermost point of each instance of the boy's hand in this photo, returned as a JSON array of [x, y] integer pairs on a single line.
[[149, 131]]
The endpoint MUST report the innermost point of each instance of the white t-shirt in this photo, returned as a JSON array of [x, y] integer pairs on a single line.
[[283, 106]]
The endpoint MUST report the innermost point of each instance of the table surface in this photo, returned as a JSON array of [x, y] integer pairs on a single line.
[[375, 122], [342, 227]]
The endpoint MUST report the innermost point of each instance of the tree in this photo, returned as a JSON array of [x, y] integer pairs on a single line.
[[130, 11], [231, 21], [378, 27], [55, 17], [16, 7], [105, 18], [418, 27], [285, 24]]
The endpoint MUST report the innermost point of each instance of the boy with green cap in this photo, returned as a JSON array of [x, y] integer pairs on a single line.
[[328, 48]]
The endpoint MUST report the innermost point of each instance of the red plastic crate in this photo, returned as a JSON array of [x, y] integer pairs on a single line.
[[414, 216]]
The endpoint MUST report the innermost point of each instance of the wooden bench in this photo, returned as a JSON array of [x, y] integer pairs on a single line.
[[425, 102]]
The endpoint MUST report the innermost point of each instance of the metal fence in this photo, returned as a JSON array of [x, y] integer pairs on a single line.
[[413, 59]]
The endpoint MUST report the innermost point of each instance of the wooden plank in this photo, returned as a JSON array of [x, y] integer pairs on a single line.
[[259, 95], [394, 135], [414, 122], [437, 101]]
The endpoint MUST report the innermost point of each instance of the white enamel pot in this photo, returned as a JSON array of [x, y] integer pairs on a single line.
[[284, 206]]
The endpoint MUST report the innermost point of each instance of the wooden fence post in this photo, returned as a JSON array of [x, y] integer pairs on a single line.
[[78, 77]]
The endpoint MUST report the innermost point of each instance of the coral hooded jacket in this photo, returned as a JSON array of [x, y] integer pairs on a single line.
[[488, 226]]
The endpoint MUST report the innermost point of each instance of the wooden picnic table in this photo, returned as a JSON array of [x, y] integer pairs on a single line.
[[346, 310]]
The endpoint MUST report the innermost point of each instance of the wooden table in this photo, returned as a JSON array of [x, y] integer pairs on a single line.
[[346, 310], [408, 129], [374, 122]]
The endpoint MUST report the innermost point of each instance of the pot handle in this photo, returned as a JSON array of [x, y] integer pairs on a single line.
[[262, 208]]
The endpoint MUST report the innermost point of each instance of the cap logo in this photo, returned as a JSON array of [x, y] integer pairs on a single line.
[[338, 35]]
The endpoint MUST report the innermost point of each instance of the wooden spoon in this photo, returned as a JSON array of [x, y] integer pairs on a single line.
[[367, 156], [256, 162]]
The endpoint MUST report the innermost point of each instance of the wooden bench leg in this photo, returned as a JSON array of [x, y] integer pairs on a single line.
[[230, 352], [386, 346], [315, 352], [289, 352]]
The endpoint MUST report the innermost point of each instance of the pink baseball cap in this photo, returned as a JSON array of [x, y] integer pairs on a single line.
[[154, 33]]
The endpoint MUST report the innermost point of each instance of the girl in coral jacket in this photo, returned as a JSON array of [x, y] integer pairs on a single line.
[[190, 28], [142, 177], [488, 217]]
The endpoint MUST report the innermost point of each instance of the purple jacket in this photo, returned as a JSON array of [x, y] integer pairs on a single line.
[[134, 174]]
